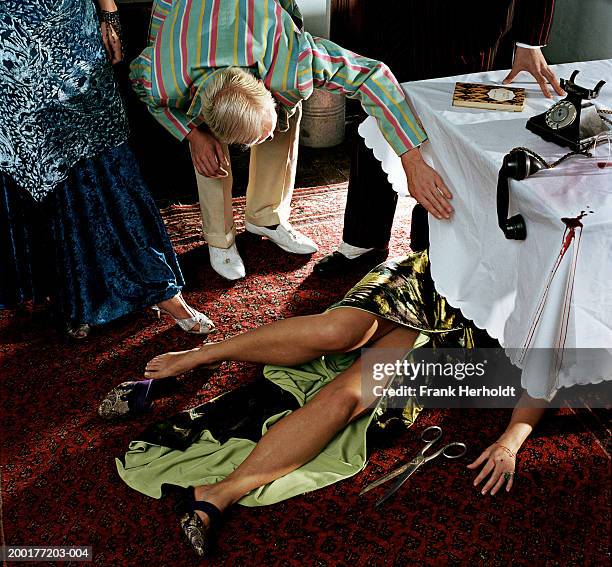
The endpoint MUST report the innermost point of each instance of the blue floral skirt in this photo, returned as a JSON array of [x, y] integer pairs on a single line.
[[96, 244]]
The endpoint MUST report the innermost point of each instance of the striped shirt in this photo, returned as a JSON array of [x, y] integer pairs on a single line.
[[191, 40]]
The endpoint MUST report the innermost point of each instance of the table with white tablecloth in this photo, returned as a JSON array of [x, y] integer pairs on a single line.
[[505, 286]]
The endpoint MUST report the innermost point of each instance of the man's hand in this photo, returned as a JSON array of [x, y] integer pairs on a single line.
[[532, 61], [207, 154], [426, 186]]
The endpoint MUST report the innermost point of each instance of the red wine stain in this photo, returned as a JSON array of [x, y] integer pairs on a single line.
[[575, 222], [572, 223], [602, 164]]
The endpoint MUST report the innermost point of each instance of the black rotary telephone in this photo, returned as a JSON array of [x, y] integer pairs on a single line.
[[570, 122]]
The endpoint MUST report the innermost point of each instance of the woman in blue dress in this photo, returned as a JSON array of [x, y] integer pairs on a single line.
[[77, 223]]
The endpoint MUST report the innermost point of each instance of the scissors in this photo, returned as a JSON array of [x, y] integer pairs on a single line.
[[429, 436]]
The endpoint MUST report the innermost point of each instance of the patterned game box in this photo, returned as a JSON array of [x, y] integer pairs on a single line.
[[494, 97]]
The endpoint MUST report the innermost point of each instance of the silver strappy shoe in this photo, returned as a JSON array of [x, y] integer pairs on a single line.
[[199, 324]]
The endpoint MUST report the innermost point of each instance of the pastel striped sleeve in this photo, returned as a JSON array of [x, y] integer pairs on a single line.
[[372, 83], [291, 7], [159, 11], [169, 111]]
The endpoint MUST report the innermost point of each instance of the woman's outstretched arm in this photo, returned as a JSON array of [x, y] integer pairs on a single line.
[[499, 459]]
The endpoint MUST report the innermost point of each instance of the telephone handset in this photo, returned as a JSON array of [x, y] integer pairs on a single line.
[[518, 164]]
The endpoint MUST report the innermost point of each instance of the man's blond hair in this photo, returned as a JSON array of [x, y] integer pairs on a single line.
[[233, 103]]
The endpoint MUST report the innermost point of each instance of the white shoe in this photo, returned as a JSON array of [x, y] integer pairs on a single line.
[[227, 262], [286, 237]]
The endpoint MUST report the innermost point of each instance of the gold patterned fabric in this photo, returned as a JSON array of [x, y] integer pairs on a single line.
[[401, 290]]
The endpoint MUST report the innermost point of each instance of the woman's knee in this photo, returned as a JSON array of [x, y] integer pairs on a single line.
[[344, 399], [338, 332]]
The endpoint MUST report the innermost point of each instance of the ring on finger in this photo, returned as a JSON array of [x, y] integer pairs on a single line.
[[508, 475]]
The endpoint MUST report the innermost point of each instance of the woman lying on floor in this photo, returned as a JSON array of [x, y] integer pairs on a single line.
[[388, 308]]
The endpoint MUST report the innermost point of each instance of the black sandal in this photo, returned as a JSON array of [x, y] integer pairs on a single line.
[[199, 535], [135, 398]]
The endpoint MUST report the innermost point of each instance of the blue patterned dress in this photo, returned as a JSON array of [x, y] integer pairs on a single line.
[[76, 220]]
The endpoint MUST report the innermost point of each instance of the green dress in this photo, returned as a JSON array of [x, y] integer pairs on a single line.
[[206, 443]]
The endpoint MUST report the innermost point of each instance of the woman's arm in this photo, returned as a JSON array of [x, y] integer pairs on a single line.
[[111, 30], [499, 459], [108, 5]]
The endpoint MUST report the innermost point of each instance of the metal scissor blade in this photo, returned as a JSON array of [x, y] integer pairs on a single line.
[[413, 466], [385, 478]]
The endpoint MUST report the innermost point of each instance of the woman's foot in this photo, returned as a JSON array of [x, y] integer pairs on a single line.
[[177, 307], [202, 519], [78, 332], [175, 363], [128, 398], [133, 398], [189, 319]]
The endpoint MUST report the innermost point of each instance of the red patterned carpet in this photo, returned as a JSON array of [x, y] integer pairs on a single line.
[[59, 485]]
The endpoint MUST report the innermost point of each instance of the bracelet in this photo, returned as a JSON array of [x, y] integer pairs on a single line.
[[510, 453], [113, 21]]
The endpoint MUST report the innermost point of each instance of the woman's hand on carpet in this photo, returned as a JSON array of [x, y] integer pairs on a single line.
[[498, 461], [426, 186]]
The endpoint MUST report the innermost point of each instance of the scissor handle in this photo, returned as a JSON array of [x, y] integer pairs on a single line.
[[431, 434], [450, 453]]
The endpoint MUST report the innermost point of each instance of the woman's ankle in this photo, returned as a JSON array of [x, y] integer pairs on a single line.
[[217, 494], [207, 354], [176, 307]]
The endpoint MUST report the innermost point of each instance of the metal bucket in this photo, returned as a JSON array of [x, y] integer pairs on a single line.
[[322, 120]]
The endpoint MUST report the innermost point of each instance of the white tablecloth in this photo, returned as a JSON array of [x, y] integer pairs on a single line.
[[496, 282]]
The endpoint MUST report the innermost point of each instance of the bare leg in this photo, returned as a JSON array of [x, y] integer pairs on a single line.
[[299, 437], [499, 459], [287, 342]]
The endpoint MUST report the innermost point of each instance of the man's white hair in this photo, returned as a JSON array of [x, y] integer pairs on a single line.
[[233, 106]]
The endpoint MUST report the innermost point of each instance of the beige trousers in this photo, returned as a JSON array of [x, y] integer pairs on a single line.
[[272, 169]]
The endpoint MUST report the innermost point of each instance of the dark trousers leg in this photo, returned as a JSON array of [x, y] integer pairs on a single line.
[[371, 201], [419, 229]]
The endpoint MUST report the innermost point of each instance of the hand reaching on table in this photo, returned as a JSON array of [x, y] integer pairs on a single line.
[[426, 186], [532, 60]]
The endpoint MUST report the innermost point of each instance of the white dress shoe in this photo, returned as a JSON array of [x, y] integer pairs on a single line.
[[285, 237], [227, 262]]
